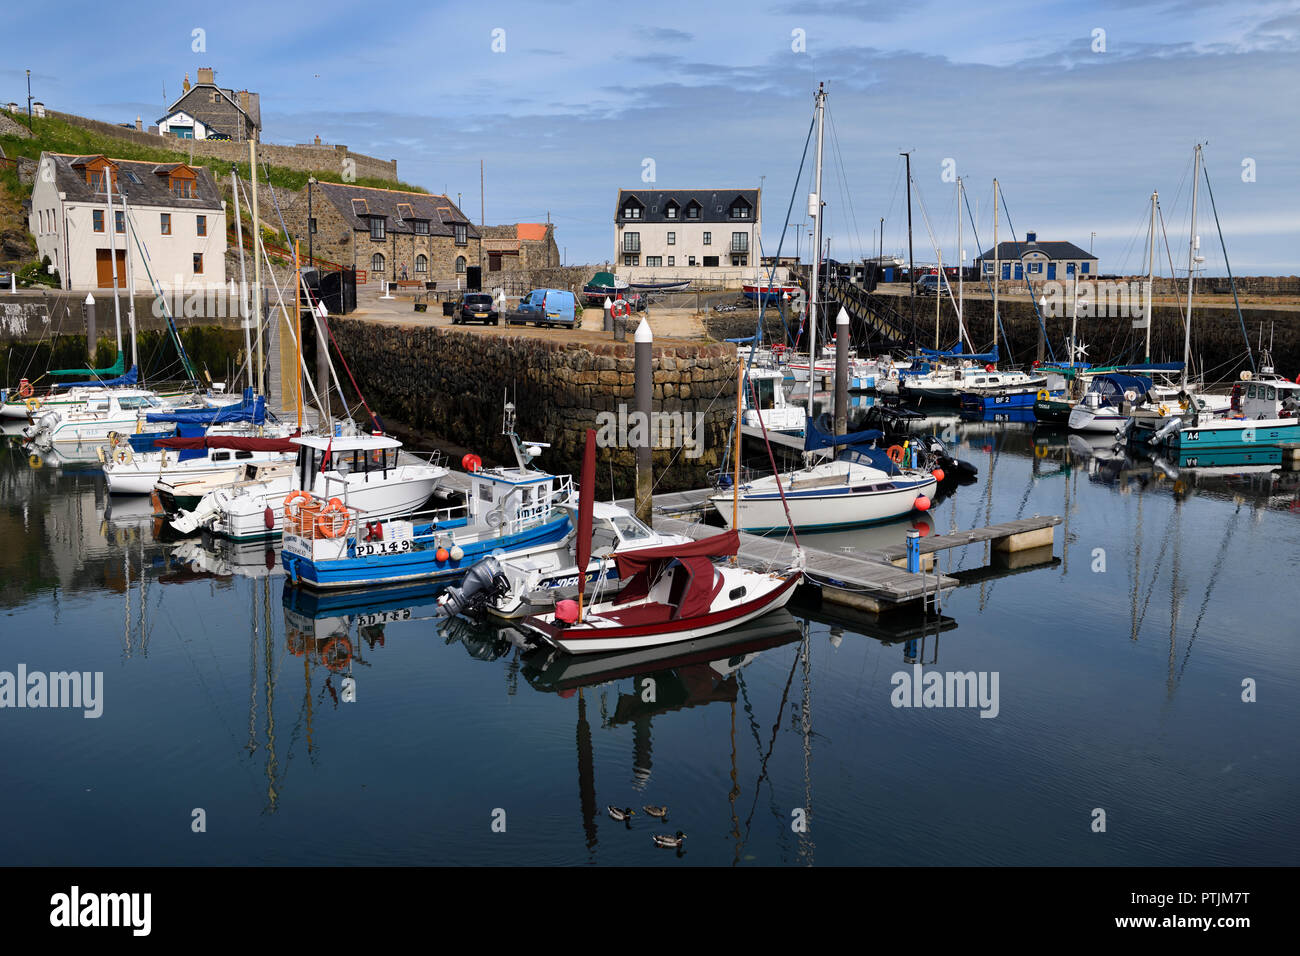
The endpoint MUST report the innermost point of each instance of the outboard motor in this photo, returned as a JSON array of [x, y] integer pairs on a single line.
[[484, 582], [1171, 427]]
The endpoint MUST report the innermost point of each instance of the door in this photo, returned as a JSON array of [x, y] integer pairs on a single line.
[[1051, 270], [104, 269], [1020, 270], [474, 278], [1006, 270]]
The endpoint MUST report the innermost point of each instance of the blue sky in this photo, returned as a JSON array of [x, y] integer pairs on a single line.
[[716, 95]]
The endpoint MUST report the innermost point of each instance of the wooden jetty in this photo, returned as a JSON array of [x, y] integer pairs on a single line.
[[877, 580]]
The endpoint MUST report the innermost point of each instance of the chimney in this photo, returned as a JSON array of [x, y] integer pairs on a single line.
[[318, 140], [139, 124], [1031, 237], [205, 75], [185, 87]]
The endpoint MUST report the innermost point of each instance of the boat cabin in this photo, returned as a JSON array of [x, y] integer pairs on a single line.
[[348, 455], [515, 497], [1268, 399]]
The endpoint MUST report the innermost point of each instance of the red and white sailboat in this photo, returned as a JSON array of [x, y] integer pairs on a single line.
[[675, 593]]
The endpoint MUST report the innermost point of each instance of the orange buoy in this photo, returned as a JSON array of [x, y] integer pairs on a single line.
[[938, 474], [441, 554], [922, 503]]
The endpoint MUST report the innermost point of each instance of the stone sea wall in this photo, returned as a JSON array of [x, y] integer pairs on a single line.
[[452, 384]]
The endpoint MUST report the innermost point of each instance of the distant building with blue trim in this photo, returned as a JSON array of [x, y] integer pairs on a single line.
[[1038, 261]]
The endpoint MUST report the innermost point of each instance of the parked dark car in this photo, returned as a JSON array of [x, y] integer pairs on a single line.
[[929, 284], [476, 307]]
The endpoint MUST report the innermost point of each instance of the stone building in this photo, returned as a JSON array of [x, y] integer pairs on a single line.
[[176, 215], [521, 247], [382, 231], [206, 111], [1036, 261]]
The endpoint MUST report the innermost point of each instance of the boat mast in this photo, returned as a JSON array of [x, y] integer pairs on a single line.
[[243, 276], [911, 262], [961, 270], [130, 278], [1151, 269], [112, 256], [815, 210], [997, 264], [1191, 266], [257, 262]]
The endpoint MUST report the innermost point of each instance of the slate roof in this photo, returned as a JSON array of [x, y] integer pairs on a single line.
[[356, 203], [140, 181], [1053, 250], [715, 204], [254, 111]]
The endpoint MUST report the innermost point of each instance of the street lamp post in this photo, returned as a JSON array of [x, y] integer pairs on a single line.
[[1090, 240], [29, 101]]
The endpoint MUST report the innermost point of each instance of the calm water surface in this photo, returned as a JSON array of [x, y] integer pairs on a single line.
[[1120, 665]]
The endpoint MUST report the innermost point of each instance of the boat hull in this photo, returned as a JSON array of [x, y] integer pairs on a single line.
[[823, 509]]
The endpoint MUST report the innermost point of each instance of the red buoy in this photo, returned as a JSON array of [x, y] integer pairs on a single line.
[[269, 517], [938, 474], [471, 462], [441, 554], [566, 611], [922, 503]]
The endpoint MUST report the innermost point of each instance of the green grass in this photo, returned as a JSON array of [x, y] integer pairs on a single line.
[[56, 136]]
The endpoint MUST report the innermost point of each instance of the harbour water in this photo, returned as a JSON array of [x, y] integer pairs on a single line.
[[310, 732]]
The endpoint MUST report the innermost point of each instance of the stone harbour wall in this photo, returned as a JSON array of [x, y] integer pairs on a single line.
[[452, 384]]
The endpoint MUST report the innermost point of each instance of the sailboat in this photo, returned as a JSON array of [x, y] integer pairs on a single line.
[[675, 593], [860, 485]]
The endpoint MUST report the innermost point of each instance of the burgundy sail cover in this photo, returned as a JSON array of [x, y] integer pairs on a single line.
[[696, 558], [227, 441]]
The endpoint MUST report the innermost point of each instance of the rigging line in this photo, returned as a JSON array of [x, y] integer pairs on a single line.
[[934, 243], [988, 282], [1032, 301], [1231, 281], [1160, 210], [844, 182], [771, 744], [159, 296]]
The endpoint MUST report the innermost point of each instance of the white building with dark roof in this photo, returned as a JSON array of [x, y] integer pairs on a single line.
[[697, 234], [1036, 261], [176, 214]]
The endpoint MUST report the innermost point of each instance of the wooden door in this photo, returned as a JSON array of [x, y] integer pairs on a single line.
[[104, 269]]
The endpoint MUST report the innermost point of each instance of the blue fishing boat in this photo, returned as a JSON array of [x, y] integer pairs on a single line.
[[507, 511], [1019, 397]]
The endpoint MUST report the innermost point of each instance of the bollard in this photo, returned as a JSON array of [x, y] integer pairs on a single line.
[[841, 372], [643, 392], [913, 550], [608, 316], [92, 334], [620, 328]]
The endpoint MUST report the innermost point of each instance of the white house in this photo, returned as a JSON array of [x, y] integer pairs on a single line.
[[184, 126], [1038, 261], [176, 215], [698, 234]]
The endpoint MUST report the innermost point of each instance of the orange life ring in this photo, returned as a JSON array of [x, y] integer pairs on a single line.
[[336, 654], [895, 454], [327, 526], [290, 511], [25, 389]]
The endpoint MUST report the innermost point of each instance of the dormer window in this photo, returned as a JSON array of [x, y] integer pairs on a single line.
[[740, 209], [182, 188], [672, 210], [632, 209], [693, 210]]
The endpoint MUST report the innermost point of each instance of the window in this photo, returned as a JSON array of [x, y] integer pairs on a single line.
[[182, 189], [652, 261], [165, 221], [421, 226], [462, 234], [740, 210], [377, 228], [670, 211], [311, 225], [672, 238], [97, 215], [214, 97], [740, 242], [95, 178], [198, 263], [988, 268], [421, 263], [201, 225], [631, 211], [631, 242], [119, 221], [740, 260], [690, 261], [672, 260], [631, 260], [693, 210], [708, 238], [710, 262], [460, 263], [1035, 267], [1083, 267], [377, 263]]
